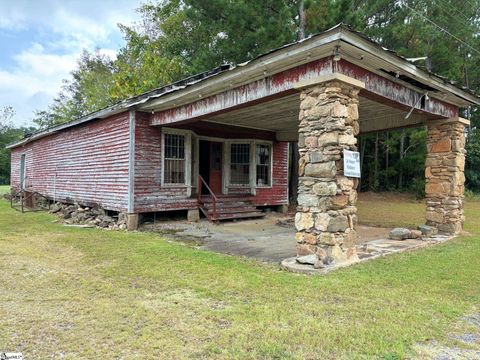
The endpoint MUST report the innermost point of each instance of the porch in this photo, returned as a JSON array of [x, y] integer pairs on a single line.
[[321, 94], [324, 117]]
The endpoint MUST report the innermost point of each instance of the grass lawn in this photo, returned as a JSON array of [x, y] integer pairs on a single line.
[[85, 293]]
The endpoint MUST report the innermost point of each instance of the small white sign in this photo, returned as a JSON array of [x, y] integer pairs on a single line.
[[351, 164], [10, 356]]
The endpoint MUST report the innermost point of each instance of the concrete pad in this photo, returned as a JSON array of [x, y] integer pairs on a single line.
[[272, 239]]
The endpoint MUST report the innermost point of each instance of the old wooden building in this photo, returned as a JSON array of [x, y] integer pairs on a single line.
[[219, 141]]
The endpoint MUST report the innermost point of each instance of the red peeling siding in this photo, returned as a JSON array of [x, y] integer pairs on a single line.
[[284, 82], [149, 194], [382, 87], [260, 89], [87, 164], [278, 193]]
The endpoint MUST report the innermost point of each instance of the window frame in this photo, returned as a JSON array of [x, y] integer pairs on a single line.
[[239, 142], [253, 164], [187, 159], [270, 180], [23, 171]]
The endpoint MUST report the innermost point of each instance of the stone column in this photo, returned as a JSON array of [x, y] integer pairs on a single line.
[[326, 214], [444, 174]]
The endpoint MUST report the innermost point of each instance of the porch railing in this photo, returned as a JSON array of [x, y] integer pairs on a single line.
[[23, 200], [201, 183]]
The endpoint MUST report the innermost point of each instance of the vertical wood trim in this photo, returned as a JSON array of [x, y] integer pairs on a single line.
[[131, 163], [162, 152], [226, 166], [196, 161], [188, 163], [253, 168], [288, 170]]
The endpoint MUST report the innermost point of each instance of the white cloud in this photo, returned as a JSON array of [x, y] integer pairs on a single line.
[[34, 75]]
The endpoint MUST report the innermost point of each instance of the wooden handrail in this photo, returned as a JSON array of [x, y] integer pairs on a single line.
[[201, 182]]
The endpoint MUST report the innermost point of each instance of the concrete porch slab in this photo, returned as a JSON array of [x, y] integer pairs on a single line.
[[271, 239]]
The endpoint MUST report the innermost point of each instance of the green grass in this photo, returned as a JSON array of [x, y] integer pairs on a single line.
[[86, 293]]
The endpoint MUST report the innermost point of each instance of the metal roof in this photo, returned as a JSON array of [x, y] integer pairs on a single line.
[[341, 31]]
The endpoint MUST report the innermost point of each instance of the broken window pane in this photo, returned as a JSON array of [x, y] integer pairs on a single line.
[[263, 153]]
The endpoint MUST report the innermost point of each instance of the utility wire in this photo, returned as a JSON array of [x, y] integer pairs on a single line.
[[462, 25], [445, 5], [439, 27]]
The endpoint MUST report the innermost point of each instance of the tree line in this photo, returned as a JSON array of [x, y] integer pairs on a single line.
[[177, 38]]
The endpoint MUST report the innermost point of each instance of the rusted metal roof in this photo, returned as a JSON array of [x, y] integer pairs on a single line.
[[204, 78]]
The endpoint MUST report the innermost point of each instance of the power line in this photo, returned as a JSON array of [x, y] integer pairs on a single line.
[[439, 27], [461, 24], [445, 5]]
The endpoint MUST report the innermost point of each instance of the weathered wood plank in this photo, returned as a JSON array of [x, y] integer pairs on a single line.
[[87, 163]]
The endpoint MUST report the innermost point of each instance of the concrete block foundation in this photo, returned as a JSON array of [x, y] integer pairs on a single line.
[[132, 222]]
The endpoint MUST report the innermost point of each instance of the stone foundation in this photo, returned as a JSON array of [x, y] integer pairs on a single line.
[[444, 174], [326, 214]]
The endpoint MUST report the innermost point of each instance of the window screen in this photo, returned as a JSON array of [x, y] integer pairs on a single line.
[[240, 164]]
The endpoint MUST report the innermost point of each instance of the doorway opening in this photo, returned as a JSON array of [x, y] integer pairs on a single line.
[[211, 165]]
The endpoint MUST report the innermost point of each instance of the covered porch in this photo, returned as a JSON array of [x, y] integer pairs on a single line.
[[322, 94]]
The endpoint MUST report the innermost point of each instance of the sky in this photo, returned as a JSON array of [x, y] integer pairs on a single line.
[[41, 40]]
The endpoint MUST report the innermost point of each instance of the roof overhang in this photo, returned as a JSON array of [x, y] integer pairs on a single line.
[[351, 46]]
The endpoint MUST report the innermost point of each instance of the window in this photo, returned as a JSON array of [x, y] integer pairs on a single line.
[[174, 164], [240, 164], [263, 153]]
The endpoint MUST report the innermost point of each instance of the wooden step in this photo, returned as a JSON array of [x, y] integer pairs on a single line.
[[226, 199], [227, 205], [230, 207], [253, 214], [236, 210]]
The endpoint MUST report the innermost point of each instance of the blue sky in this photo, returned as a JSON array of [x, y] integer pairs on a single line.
[[40, 41]]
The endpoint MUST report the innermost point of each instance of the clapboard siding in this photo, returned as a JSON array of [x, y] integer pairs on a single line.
[[149, 193], [278, 193], [89, 164], [86, 164], [151, 196]]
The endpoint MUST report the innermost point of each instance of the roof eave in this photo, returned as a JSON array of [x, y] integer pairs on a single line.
[[409, 68]]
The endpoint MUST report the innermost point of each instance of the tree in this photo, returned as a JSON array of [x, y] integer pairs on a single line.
[[178, 38], [8, 134], [6, 114], [88, 90]]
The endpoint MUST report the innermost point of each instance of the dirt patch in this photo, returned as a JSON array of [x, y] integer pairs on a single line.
[[462, 343]]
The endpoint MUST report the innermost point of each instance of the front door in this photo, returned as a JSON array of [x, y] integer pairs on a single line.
[[215, 178]]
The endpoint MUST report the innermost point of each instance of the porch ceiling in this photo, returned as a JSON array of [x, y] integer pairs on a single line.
[[281, 115]]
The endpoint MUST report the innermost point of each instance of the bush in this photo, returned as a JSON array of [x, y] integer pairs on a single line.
[[417, 188]]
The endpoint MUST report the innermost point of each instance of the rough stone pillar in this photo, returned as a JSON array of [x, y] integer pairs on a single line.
[[444, 174], [326, 213]]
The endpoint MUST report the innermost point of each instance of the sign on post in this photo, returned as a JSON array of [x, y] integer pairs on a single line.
[[351, 163]]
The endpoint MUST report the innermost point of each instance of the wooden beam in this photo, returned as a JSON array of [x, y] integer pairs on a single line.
[[382, 89]]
